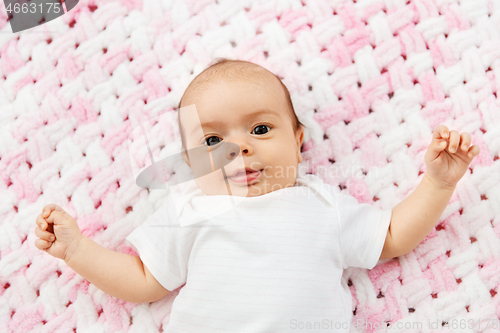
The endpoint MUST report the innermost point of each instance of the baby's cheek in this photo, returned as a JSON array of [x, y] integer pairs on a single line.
[[211, 182]]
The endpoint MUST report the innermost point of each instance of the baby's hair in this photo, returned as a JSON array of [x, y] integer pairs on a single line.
[[232, 69]]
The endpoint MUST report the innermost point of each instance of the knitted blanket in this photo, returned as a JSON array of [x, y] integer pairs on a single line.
[[370, 79]]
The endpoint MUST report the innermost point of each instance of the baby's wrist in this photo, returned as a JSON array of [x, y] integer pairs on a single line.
[[71, 249], [439, 185]]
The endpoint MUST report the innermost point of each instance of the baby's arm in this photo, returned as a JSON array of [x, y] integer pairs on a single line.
[[118, 274], [413, 218]]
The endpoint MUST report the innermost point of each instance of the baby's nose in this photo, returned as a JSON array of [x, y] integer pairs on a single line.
[[241, 144], [233, 154]]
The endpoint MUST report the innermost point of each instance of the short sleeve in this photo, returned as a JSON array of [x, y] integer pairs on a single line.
[[158, 245], [363, 230]]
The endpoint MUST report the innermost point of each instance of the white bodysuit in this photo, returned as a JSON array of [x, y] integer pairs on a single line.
[[272, 263]]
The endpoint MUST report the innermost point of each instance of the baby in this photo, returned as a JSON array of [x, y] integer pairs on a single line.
[[275, 261]]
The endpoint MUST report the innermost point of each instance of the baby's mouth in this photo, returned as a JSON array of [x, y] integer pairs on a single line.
[[245, 177]]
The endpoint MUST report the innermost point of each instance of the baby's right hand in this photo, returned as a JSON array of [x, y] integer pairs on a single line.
[[57, 230]]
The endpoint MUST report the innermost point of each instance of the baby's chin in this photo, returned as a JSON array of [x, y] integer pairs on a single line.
[[237, 191], [211, 188]]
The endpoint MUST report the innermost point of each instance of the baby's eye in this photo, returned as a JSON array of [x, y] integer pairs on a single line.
[[217, 140], [207, 140], [260, 131]]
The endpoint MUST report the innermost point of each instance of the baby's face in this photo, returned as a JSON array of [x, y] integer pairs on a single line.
[[254, 116]]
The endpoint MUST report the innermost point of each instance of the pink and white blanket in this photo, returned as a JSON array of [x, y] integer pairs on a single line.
[[369, 78]]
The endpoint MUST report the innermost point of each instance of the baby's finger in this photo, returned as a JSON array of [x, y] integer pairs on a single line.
[[45, 235], [49, 208], [53, 219], [435, 148], [454, 141], [42, 244], [474, 151], [41, 223], [440, 145], [465, 140], [440, 132]]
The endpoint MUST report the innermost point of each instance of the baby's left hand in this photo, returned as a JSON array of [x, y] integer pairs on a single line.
[[449, 156]]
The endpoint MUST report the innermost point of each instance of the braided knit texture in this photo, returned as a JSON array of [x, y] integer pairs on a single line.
[[370, 79]]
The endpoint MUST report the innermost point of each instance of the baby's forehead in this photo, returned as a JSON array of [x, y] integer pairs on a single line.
[[254, 89], [242, 71], [242, 74]]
